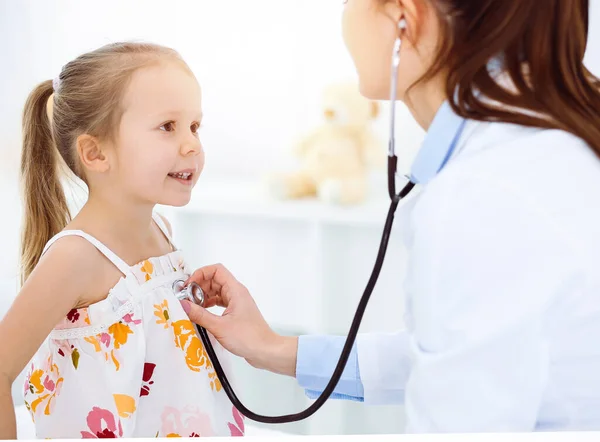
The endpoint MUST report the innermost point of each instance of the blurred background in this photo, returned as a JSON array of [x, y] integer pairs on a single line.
[[263, 65]]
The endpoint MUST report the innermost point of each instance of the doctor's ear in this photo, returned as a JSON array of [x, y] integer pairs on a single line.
[[91, 154], [412, 12]]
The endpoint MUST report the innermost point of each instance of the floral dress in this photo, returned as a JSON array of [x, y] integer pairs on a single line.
[[131, 365]]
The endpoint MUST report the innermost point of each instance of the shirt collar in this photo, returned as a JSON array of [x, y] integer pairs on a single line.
[[438, 145]]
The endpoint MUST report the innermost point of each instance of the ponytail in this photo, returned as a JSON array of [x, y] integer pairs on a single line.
[[45, 206]]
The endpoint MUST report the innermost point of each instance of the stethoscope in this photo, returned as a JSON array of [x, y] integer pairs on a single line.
[[194, 293]]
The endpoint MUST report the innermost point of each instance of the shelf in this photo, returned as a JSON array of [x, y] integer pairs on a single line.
[[250, 199]]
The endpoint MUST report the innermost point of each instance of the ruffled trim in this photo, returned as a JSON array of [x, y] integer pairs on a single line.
[[159, 266], [119, 295]]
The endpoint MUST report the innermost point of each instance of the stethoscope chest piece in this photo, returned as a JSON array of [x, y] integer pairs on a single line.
[[192, 292]]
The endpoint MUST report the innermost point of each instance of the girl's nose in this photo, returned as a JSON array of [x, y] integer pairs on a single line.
[[191, 147]]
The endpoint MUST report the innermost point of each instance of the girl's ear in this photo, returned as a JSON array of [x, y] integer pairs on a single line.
[[91, 154]]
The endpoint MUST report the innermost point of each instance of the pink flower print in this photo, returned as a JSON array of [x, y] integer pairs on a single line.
[[102, 424], [44, 387], [105, 339], [146, 378], [238, 428], [128, 318], [26, 386], [49, 384], [52, 386], [189, 422]]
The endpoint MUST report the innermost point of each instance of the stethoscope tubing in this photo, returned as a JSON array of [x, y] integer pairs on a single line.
[[192, 294]]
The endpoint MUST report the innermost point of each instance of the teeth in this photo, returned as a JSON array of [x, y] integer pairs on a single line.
[[183, 176]]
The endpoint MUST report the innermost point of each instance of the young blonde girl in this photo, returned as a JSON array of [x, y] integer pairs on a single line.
[[111, 350]]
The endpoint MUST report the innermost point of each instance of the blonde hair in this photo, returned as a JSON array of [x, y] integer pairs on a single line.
[[88, 100]]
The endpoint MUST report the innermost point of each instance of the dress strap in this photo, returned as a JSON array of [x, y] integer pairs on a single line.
[[163, 228], [109, 254]]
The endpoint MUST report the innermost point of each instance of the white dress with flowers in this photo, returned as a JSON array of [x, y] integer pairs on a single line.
[[131, 365]]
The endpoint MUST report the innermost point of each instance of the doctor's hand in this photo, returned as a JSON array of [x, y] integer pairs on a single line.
[[241, 329]]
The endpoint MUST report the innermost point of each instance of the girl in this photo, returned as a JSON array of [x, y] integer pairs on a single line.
[[116, 355]]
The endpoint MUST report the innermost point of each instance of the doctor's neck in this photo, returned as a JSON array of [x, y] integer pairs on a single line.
[[424, 101]]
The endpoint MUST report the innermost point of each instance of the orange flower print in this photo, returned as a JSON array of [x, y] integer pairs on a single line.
[[187, 340], [188, 422], [215, 383], [125, 405], [161, 311], [119, 332], [44, 385], [148, 269], [111, 341]]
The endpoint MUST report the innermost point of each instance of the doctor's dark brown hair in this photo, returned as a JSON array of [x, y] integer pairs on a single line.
[[88, 101], [542, 45]]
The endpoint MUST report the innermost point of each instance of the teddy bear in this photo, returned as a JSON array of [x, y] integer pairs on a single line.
[[337, 156]]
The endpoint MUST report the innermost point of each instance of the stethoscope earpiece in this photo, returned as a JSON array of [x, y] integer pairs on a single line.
[[192, 292], [402, 24]]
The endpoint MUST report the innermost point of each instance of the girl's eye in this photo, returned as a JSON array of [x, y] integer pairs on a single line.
[[195, 128], [168, 127]]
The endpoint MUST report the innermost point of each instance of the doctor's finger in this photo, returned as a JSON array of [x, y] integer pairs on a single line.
[[212, 300], [202, 317], [212, 278], [217, 281], [208, 285]]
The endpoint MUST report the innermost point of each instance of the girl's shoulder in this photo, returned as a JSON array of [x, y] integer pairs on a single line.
[[78, 266]]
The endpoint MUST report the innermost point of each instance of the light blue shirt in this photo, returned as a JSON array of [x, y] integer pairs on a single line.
[[318, 355]]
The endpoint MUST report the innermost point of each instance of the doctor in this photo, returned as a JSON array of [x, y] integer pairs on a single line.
[[503, 313]]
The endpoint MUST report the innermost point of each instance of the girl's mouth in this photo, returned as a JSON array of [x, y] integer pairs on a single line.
[[181, 176], [184, 176]]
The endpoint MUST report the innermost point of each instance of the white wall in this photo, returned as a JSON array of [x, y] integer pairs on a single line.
[[262, 65]]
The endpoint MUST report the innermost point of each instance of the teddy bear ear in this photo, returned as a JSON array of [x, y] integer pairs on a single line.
[[374, 109]]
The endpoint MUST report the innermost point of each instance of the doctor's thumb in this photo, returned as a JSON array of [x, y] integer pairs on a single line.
[[201, 316]]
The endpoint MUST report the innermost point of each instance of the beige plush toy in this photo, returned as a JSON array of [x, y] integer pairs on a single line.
[[337, 156]]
